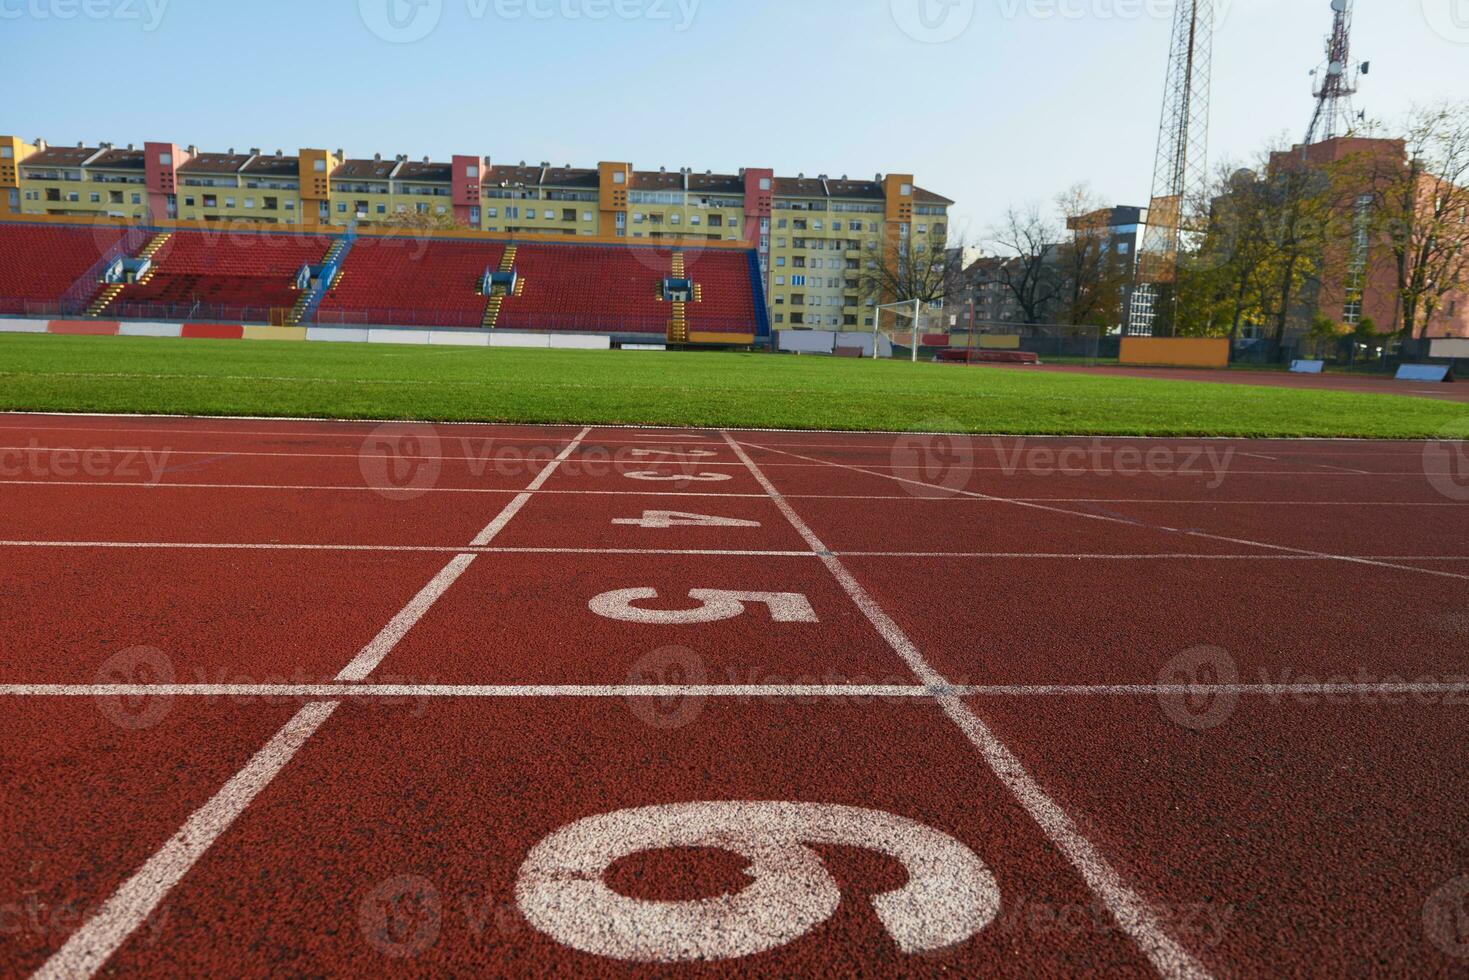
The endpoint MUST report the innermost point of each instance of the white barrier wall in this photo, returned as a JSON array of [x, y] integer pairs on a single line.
[[807, 341], [580, 342], [23, 326], [150, 330], [375, 336], [458, 338], [502, 339], [339, 335]]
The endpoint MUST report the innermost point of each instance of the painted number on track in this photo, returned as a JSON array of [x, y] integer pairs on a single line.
[[714, 605], [949, 897], [694, 453], [652, 477], [663, 519]]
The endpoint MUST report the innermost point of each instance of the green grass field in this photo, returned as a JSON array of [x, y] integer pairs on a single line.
[[201, 377]]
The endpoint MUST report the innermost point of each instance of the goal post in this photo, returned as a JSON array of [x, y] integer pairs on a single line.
[[904, 324]]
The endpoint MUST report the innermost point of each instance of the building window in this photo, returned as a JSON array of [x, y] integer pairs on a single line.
[[320, 166], [619, 178], [765, 183], [96, 198], [471, 171]]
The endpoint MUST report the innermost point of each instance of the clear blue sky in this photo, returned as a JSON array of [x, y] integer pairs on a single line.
[[1027, 97]]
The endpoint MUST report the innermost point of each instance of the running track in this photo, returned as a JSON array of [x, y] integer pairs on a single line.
[[304, 698]]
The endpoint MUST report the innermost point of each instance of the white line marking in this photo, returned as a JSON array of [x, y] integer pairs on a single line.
[[364, 488], [94, 943], [943, 494], [365, 691], [674, 431], [1129, 909], [89, 947], [224, 454], [1105, 518], [554, 435], [700, 552], [396, 548]]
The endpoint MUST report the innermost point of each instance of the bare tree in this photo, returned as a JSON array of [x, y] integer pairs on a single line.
[[1029, 241], [909, 269]]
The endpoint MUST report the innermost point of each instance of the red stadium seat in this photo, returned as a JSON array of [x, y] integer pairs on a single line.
[[40, 263]]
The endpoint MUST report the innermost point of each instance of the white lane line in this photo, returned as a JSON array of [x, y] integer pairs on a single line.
[[403, 548], [1108, 519], [364, 691], [459, 430], [225, 454], [698, 552], [87, 949], [1128, 908], [944, 495], [366, 488], [869, 436]]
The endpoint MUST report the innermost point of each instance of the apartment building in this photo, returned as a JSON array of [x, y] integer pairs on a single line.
[[813, 234]]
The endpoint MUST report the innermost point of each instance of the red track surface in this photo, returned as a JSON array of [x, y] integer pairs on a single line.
[[1064, 696]]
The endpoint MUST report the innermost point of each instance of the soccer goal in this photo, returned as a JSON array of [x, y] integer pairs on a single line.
[[900, 329]]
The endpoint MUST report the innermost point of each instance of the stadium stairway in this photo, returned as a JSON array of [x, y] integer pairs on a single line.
[[111, 291], [497, 293], [331, 264], [678, 323]]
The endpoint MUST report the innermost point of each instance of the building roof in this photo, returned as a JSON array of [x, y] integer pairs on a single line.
[[121, 160], [513, 175], [656, 180], [929, 197], [60, 156], [571, 177], [432, 173], [215, 163], [862, 189], [717, 183], [799, 187], [274, 166], [364, 170]]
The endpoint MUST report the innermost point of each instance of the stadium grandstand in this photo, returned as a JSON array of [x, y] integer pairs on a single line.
[[807, 235], [445, 280]]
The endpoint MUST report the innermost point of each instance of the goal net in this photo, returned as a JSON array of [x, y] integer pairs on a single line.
[[903, 334]]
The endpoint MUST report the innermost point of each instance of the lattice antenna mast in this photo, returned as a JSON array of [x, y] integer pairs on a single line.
[[1180, 169], [1336, 80]]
